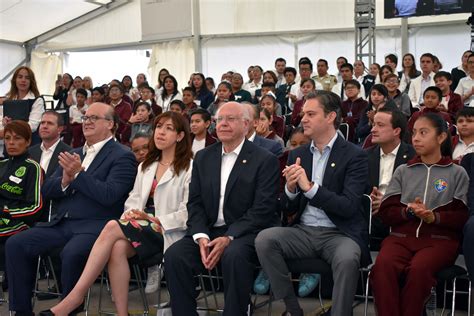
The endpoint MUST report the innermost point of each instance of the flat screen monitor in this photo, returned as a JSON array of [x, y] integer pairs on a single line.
[[408, 8]]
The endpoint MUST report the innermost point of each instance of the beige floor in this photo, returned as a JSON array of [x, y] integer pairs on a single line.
[[310, 305]]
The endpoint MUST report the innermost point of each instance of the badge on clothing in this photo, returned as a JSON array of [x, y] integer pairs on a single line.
[[440, 185]]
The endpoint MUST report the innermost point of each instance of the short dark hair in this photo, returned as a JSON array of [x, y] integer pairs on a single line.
[[189, 89], [436, 90], [280, 59], [330, 101], [305, 61], [353, 82], [465, 112], [20, 128], [119, 86], [429, 55], [268, 85], [398, 119], [444, 74], [81, 91], [342, 57], [179, 103], [393, 58], [99, 89], [347, 65], [290, 69], [59, 117], [205, 115], [323, 61], [308, 80], [147, 87]]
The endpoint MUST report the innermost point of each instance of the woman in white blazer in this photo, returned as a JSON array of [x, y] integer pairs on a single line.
[[163, 177]]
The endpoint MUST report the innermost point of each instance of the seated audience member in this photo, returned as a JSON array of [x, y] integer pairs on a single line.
[[223, 95], [178, 106], [170, 92], [147, 94], [141, 120], [463, 142], [389, 152], [451, 101], [326, 80], [134, 93], [264, 127], [98, 95], [76, 112], [239, 94], [287, 92], [425, 80], [384, 71], [437, 65], [377, 99], [211, 86], [371, 78], [306, 86], [269, 80], [347, 73], [353, 107], [127, 84], [425, 208], [20, 192], [408, 73], [460, 71], [200, 122], [401, 99], [203, 96], [325, 183], [339, 62], [123, 110], [90, 192], [139, 145], [223, 229], [63, 85], [359, 71], [256, 82], [155, 216], [161, 76], [268, 144], [280, 65], [76, 84], [268, 102], [431, 101], [305, 67], [391, 60], [465, 86], [188, 100]]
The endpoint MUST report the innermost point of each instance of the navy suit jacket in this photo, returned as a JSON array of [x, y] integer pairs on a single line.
[[271, 145], [97, 194], [250, 202], [468, 163], [340, 196], [36, 152]]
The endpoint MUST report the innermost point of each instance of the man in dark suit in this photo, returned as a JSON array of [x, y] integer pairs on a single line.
[[91, 185], [271, 145], [325, 181], [389, 152], [47, 153], [232, 197]]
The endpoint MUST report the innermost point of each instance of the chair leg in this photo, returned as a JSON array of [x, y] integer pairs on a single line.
[[320, 297], [213, 288], [38, 266], [469, 300], [88, 300], [203, 289], [55, 279], [270, 300], [138, 276], [99, 308], [366, 301], [453, 306], [444, 297]]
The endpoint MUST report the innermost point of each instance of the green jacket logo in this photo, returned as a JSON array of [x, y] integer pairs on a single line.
[[20, 172], [12, 188]]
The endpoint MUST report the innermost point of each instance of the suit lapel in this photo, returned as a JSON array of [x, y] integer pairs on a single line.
[[100, 157], [333, 160], [239, 166], [307, 161], [374, 161], [402, 156], [53, 163]]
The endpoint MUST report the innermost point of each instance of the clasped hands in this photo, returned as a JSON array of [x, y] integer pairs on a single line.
[[71, 164], [295, 175], [421, 211], [211, 251]]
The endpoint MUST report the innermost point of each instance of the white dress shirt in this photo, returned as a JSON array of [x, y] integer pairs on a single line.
[[340, 91], [227, 164], [46, 155], [462, 149], [198, 145], [92, 151], [75, 114], [387, 163], [464, 87]]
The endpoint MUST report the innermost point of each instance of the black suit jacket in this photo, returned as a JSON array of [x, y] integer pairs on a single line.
[[271, 145], [250, 202], [36, 152], [405, 153], [340, 195]]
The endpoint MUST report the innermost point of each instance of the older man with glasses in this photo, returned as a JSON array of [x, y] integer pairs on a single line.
[[91, 186]]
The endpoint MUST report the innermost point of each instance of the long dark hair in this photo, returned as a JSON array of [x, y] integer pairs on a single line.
[[13, 93], [441, 126], [381, 89], [164, 93], [413, 71], [183, 151], [203, 90]]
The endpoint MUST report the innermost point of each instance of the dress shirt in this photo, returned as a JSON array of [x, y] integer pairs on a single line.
[[425, 83], [313, 216], [252, 138], [387, 163], [340, 91], [252, 87], [464, 87], [37, 110], [462, 149], [91, 152], [46, 155], [75, 114], [227, 164], [198, 145]]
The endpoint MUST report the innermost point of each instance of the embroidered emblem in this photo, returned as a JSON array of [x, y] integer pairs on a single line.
[[440, 185], [20, 172]]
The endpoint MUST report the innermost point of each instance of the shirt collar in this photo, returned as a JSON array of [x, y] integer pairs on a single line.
[[329, 145], [252, 138], [393, 152], [96, 147], [52, 148], [237, 149]]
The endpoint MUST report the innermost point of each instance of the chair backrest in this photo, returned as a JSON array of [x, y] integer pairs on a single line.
[[367, 206], [344, 128]]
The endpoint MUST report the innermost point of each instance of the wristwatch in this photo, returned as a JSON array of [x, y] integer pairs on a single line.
[[410, 213]]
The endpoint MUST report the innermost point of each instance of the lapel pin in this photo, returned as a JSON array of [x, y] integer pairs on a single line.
[[333, 165], [404, 156], [244, 161]]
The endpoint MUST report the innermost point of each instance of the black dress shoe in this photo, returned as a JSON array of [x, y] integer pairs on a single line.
[[46, 313], [78, 310], [299, 313]]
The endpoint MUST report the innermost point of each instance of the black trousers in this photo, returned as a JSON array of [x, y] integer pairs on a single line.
[[183, 263]]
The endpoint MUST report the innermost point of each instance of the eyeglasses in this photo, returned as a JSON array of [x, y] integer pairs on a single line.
[[93, 118], [229, 119]]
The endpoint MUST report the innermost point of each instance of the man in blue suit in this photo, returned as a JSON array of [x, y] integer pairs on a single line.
[[91, 185], [271, 145], [325, 181]]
